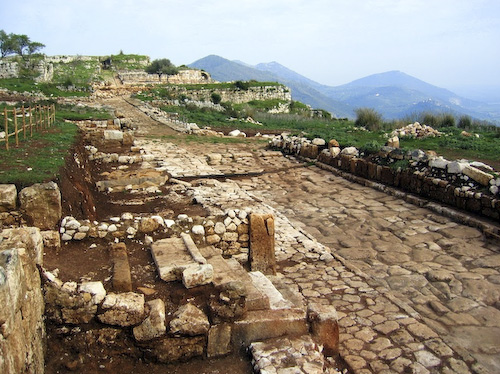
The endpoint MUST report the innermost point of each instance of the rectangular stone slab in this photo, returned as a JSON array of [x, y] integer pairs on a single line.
[[171, 258], [265, 324]]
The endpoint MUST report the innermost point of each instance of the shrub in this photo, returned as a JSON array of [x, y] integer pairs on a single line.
[[216, 98], [368, 118], [240, 85], [464, 122], [371, 147], [447, 120]]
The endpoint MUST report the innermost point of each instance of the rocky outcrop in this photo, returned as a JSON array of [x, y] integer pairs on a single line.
[[22, 328]]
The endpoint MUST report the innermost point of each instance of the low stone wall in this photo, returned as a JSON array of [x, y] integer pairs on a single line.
[[183, 77], [228, 232], [422, 183], [22, 328], [237, 96]]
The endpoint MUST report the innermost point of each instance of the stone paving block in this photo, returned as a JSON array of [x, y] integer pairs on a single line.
[[171, 258]]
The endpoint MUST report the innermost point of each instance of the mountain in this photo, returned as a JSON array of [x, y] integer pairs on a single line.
[[303, 89], [394, 94]]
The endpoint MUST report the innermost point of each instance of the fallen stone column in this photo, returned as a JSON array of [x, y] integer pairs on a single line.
[[261, 256]]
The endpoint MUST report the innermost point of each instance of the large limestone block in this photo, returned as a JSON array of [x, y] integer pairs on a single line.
[[154, 325], [219, 340], [41, 205], [189, 320], [197, 275], [171, 258], [324, 327], [266, 324], [478, 175], [126, 309], [8, 197], [113, 135], [122, 280], [262, 257]]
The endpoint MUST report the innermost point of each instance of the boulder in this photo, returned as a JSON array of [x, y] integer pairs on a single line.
[[333, 143], [439, 163], [456, 167], [113, 135], [8, 197], [189, 320], [319, 142], [393, 142], [335, 151], [96, 289], [154, 325], [148, 225], [350, 151], [41, 205], [126, 309]]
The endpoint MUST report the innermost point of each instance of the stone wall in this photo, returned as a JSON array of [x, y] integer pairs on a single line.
[[422, 183], [10, 69], [238, 96], [184, 77], [22, 329]]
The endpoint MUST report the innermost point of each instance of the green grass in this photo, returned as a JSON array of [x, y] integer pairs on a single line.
[[37, 159], [48, 89], [76, 113]]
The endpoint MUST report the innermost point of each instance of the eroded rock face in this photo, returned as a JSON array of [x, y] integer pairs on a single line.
[[230, 303], [169, 350], [189, 320], [41, 205], [126, 309]]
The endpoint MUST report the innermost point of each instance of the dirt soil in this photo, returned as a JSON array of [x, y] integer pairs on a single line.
[[87, 349]]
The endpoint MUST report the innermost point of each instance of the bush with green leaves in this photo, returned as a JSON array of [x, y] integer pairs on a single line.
[[216, 98], [368, 118]]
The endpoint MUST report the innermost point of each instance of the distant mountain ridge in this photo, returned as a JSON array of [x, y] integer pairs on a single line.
[[394, 94]]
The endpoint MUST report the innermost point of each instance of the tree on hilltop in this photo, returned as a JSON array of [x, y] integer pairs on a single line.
[[162, 67], [19, 44]]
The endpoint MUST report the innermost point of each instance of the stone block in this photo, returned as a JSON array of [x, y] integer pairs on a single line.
[[154, 324], [324, 326], [8, 197], [219, 340], [174, 349], [265, 324], [41, 205], [122, 280], [262, 256], [171, 258], [478, 175], [126, 309], [96, 289], [197, 275], [113, 135], [189, 320]]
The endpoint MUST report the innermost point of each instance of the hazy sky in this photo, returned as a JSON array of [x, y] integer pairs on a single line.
[[448, 43]]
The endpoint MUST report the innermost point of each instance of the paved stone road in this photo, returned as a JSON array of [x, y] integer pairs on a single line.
[[415, 291]]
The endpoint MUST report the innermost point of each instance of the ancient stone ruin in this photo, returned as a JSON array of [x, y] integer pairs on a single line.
[[152, 252]]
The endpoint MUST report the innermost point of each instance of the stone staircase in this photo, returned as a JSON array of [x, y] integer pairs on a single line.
[[275, 316]]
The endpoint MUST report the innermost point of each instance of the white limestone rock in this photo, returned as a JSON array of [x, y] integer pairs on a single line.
[[189, 320], [154, 325], [96, 289], [197, 275], [125, 309], [8, 197]]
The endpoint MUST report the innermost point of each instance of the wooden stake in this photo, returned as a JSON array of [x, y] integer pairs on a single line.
[[24, 122], [5, 114], [31, 122], [15, 127]]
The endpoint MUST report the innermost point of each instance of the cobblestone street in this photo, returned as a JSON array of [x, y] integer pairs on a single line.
[[414, 290]]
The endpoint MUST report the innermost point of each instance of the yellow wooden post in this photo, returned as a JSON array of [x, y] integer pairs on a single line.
[[24, 122], [15, 127], [54, 112], [48, 116], [5, 114], [31, 122]]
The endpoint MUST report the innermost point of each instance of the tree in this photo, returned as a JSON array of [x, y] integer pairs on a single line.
[[162, 67], [18, 44]]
